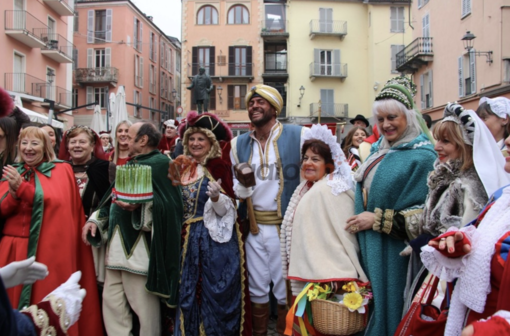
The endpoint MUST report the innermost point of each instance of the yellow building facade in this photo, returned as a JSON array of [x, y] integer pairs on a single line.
[[340, 54]]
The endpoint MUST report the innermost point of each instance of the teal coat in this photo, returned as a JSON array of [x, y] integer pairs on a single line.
[[399, 183]]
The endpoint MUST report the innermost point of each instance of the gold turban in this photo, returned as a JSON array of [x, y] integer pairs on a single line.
[[269, 93]]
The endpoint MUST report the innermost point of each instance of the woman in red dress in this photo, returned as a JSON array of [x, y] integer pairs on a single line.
[[43, 214]]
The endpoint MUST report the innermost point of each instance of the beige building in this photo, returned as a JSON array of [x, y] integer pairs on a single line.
[[117, 44], [37, 53], [444, 67], [340, 55]]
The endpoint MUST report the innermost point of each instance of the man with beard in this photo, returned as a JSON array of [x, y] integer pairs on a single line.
[[143, 242], [273, 150]]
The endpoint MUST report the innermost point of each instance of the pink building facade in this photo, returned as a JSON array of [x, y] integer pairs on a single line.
[[224, 37], [117, 44], [443, 69], [37, 53]]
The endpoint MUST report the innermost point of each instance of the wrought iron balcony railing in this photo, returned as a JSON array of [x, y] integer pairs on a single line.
[[96, 75], [329, 110]]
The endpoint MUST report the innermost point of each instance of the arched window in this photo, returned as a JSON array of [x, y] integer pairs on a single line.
[[207, 15], [238, 14]]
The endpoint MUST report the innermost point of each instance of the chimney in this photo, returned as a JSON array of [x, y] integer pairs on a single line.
[[149, 17]]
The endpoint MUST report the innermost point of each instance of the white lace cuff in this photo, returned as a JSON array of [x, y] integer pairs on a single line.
[[220, 227], [443, 267]]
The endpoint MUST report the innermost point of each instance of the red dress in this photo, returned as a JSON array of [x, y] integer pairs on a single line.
[[53, 194]]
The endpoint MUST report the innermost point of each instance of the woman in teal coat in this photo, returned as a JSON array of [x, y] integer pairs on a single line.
[[390, 194]]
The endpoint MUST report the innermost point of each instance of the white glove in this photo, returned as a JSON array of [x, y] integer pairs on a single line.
[[213, 189], [24, 272], [72, 296], [243, 192]]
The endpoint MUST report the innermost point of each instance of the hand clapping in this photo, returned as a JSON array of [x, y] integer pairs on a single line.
[[14, 178]]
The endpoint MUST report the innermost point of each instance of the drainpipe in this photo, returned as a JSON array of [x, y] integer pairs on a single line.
[[410, 4]]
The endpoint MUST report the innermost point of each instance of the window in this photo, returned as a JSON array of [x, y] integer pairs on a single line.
[[76, 22], [162, 56], [395, 49], [466, 8], [99, 26], [426, 90], [152, 48], [75, 97], [75, 59], [152, 79], [327, 63], [275, 58], [238, 14], [48, 91], [203, 57], [236, 96], [138, 71], [169, 61], [427, 42], [397, 19], [327, 102], [326, 20], [275, 19], [162, 85], [96, 94], [467, 74], [52, 28], [177, 62], [99, 59], [239, 61], [136, 100], [207, 15], [138, 34], [152, 104]]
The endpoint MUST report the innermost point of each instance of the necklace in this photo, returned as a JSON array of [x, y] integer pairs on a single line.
[[79, 179]]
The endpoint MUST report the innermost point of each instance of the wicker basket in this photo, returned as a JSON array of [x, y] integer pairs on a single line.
[[332, 318]]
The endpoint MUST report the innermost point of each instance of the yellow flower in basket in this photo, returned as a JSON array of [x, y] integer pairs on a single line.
[[318, 292], [350, 287], [354, 302]]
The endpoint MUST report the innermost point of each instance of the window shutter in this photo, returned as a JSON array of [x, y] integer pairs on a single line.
[[90, 26], [249, 61], [90, 97], [141, 72], [425, 26], [162, 52], [422, 93], [472, 71], [75, 59], [461, 77], [431, 100], [212, 53], [420, 3], [230, 97], [135, 111], [109, 23], [322, 19], [393, 19], [90, 58], [150, 45], [140, 42], [337, 70], [316, 61], [231, 62], [400, 19], [154, 50], [136, 71], [108, 57], [135, 34], [194, 61]]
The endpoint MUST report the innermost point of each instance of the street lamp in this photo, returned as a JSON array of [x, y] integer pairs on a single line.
[[220, 89], [302, 93], [468, 41], [174, 93]]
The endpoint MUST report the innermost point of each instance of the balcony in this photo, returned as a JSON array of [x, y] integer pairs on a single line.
[[328, 28], [329, 110], [57, 48], [330, 70], [62, 7], [25, 28], [219, 71], [61, 97], [275, 65], [403, 2], [415, 55], [97, 75], [274, 29]]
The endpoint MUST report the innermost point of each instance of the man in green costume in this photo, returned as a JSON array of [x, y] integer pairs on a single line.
[[143, 243]]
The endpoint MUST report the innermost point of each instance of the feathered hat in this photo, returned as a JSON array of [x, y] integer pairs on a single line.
[[6, 103], [171, 123], [207, 121]]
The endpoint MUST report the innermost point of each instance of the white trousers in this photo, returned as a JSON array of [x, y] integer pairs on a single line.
[[123, 290], [264, 264]]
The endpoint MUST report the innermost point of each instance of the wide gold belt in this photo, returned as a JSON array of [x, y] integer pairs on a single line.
[[267, 217]]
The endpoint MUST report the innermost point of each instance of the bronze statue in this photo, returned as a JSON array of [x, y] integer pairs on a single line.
[[202, 84]]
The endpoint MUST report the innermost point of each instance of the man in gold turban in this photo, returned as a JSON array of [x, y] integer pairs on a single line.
[[273, 150]]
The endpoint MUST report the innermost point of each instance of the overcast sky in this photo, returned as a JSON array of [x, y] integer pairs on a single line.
[[166, 13]]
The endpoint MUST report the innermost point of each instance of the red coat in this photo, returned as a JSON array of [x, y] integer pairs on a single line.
[[59, 244]]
